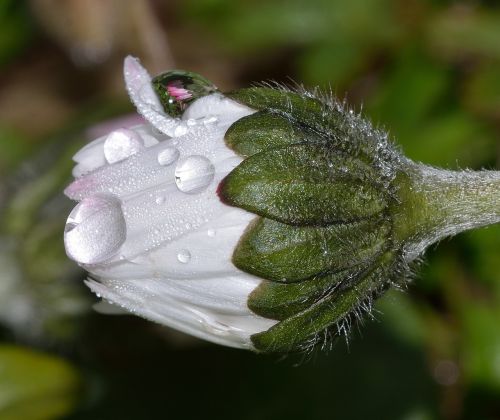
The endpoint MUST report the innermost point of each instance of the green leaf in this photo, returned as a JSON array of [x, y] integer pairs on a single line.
[[285, 253], [307, 185], [34, 386]]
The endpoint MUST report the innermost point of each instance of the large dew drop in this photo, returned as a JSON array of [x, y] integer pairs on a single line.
[[95, 229], [193, 174], [122, 143]]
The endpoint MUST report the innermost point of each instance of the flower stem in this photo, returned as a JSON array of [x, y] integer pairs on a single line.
[[436, 203]]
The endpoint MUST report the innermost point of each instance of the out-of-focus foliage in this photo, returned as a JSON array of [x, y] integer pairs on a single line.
[[15, 29], [426, 70], [34, 386]]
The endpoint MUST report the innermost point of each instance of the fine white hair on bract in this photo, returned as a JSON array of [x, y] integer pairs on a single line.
[[149, 226]]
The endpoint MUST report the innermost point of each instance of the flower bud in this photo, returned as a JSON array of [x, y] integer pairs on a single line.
[[266, 218], [320, 178]]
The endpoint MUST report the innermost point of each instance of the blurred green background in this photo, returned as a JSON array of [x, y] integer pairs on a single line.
[[426, 70]]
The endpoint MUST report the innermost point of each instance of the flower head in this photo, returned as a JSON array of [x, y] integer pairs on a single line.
[[149, 226], [264, 218]]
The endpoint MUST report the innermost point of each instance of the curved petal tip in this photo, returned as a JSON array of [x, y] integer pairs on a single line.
[[143, 96]]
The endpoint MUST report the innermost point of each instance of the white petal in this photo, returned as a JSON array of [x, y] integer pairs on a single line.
[[202, 111], [89, 158], [216, 107], [92, 156], [142, 94], [143, 171], [150, 227], [103, 128], [147, 298], [210, 249]]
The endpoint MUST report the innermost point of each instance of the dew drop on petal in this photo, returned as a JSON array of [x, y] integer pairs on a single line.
[[122, 143], [168, 156], [193, 174], [160, 199], [184, 256], [177, 89], [95, 229], [211, 232]]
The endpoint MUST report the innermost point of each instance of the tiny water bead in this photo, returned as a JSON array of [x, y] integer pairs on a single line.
[[160, 199], [121, 144], [177, 89], [168, 156], [184, 256], [193, 174], [211, 233]]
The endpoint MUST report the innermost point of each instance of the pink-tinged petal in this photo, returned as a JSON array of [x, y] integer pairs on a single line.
[[105, 127]]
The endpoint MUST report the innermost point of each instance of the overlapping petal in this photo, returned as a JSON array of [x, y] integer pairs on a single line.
[[149, 226]]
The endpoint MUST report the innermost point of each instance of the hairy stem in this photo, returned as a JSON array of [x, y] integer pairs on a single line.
[[436, 203]]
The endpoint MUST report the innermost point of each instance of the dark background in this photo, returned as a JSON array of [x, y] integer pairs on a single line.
[[429, 71]]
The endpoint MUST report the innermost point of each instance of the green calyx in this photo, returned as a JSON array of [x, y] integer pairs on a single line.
[[320, 178], [342, 214]]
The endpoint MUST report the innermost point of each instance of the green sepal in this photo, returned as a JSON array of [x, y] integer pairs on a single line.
[[264, 130], [307, 110], [280, 301], [339, 127], [305, 185], [285, 253], [302, 330]]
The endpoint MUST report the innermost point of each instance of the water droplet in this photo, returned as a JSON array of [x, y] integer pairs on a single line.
[[95, 230], [160, 199], [177, 89], [184, 256], [168, 156], [121, 144], [211, 233], [210, 120], [193, 174]]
